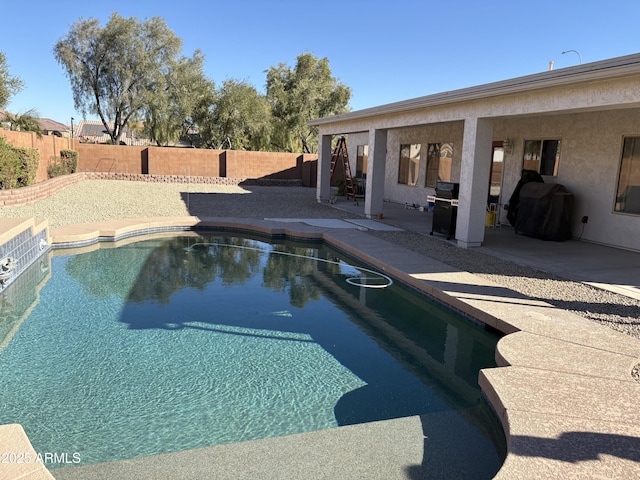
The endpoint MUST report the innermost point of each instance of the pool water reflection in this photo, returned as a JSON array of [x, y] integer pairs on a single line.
[[169, 344]]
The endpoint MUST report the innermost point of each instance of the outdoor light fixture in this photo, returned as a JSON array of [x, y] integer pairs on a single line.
[[576, 52], [507, 145]]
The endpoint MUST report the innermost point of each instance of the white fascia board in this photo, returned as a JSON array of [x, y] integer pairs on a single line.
[[606, 69]]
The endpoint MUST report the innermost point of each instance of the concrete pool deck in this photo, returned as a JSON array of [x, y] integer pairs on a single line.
[[563, 390]]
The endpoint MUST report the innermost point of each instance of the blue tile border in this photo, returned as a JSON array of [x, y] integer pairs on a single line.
[[177, 229], [26, 248]]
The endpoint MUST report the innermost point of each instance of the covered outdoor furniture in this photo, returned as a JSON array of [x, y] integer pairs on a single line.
[[514, 202], [545, 211]]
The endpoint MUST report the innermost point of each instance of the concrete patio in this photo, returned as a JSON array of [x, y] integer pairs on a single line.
[[605, 267]]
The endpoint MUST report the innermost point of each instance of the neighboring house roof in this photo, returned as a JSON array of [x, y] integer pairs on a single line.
[[95, 131], [46, 124], [606, 69], [49, 125], [90, 128]]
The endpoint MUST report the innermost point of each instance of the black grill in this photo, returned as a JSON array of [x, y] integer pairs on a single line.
[[445, 213], [447, 190]]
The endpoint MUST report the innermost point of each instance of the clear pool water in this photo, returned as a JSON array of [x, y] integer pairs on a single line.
[[169, 344]]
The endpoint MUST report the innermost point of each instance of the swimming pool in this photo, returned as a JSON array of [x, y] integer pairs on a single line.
[[169, 344]]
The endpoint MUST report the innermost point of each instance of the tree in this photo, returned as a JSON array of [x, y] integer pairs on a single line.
[[113, 69], [173, 105], [300, 95], [9, 85], [238, 119], [24, 122]]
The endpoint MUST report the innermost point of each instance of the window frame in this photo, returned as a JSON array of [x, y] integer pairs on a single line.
[[362, 161], [406, 161], [629, 179], [542, 158], [436, 152]]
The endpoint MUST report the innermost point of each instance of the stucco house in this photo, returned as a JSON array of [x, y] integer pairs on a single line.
[[577, 126], [47, 125], [93, 131], [51, 127]]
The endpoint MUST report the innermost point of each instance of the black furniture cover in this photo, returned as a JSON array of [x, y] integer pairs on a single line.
[[514, 202], [545, 211]]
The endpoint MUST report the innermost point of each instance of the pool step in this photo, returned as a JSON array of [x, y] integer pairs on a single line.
[[18, 458]]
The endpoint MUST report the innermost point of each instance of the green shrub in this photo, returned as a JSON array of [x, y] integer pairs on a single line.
[[56, 168], [18, 166], [8, 166], [65, 164], [70, 158], [28, 161]]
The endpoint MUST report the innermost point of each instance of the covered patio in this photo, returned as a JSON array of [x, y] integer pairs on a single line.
[[572, 126]]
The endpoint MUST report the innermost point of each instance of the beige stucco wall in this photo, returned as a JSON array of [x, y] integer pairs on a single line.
[[423, 135], [589, 108], [601, 94], [353, 140], [589, 164]]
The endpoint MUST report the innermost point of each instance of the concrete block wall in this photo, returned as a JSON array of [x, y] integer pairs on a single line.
[[184, 161], [309, 169], [109, 158], [127, 161], [262, 164], [191, 162], [48, 145], [39, 191]]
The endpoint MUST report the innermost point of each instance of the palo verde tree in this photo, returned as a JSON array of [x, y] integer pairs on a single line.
[[299, 95], [113, 68], [9, 85]]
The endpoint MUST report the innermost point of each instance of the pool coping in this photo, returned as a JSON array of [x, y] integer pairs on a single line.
[[552, 389]]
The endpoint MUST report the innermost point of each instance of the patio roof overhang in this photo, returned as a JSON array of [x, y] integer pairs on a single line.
[[597, 71]]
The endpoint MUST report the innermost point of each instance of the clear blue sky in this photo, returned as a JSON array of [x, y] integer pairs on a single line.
[[385, 51]]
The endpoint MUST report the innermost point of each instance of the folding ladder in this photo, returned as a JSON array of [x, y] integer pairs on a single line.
[[341, 156]]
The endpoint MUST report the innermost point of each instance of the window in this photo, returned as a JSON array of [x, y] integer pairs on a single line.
[[409, 164], [439, 160], [542, 156], [495, 176], [362, 159], [628, 195]]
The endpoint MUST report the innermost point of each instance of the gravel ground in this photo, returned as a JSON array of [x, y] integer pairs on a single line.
[[97, 200]]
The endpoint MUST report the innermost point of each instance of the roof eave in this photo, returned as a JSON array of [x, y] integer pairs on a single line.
[[606, 69]]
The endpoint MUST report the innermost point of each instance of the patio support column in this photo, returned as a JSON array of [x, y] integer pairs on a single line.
[[474, 181], [323, 187], [375, 172]]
